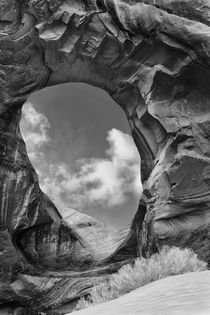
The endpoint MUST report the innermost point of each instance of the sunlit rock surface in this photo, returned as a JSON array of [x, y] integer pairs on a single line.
[[153, 58], [95, 233]]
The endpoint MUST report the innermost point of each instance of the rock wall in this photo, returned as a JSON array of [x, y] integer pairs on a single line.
[[153, 58]]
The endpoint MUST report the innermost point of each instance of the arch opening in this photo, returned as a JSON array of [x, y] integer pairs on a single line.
[[80, 144], [154, 62]]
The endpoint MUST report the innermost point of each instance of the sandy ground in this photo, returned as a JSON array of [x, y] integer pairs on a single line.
[[187, 294]]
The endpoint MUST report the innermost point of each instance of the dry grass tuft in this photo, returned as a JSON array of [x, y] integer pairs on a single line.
[[170, 261]]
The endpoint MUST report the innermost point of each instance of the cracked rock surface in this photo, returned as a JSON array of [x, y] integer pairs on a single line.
[[153, 58]]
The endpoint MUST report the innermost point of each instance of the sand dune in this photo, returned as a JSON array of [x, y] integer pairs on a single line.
[[187, 294]]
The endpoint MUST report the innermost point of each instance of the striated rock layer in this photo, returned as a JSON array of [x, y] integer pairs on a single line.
[[153, 58]]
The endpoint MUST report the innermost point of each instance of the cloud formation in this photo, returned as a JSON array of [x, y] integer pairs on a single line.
[[105, 181], [34, 126]]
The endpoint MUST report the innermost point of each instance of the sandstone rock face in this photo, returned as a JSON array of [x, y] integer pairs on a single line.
[[96, 234], [153, 58]]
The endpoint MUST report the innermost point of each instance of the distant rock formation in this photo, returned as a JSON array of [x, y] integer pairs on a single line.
[[96, 234], [153, 58]]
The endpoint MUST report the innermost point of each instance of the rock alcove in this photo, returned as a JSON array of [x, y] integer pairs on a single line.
[[152, 57]]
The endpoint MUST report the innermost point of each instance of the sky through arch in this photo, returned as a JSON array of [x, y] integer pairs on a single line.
[[79, 142]]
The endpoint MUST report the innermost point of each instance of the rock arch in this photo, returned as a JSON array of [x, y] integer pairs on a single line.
[[152, 57]]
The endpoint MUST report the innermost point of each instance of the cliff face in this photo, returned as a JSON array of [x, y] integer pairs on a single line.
[[153, 58]]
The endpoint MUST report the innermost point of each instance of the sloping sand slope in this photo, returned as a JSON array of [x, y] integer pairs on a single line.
[[182, 295]]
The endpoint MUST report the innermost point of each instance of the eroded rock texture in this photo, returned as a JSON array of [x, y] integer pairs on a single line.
[[153, 58]]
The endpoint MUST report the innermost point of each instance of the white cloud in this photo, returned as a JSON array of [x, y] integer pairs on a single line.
[[107, 181], [34, 126]]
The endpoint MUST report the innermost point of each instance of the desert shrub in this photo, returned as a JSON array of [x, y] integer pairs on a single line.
[[170, 261]]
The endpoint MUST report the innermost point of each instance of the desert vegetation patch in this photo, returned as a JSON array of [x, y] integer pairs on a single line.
[[169, 262]]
